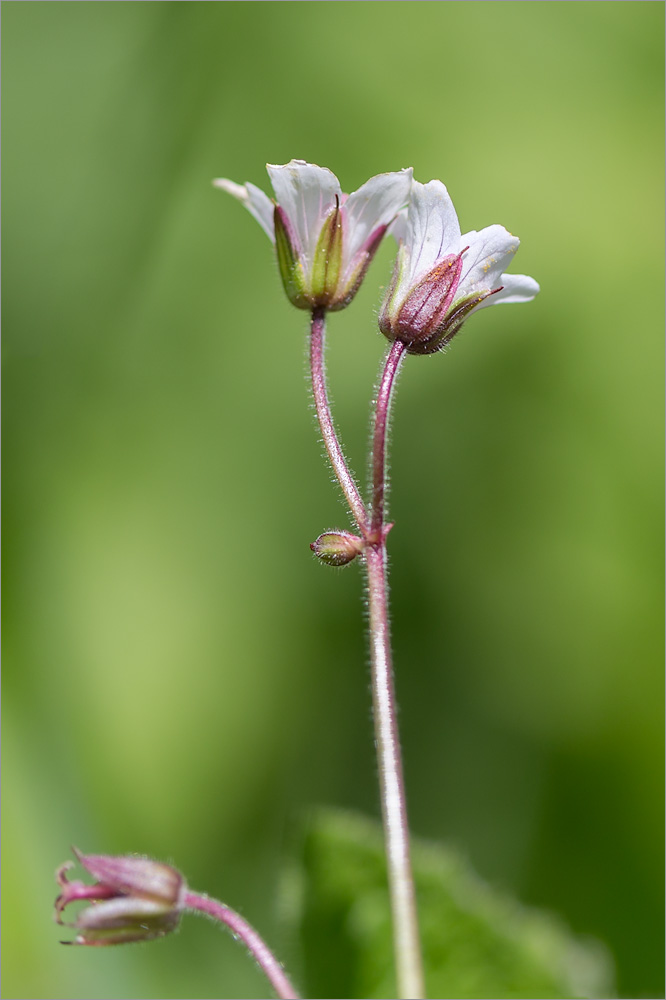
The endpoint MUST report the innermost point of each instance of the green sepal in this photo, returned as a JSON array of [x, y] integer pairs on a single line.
[[459, 313], [389, 308], [451, 326], [327, 260], [291, 269], [351, 281]]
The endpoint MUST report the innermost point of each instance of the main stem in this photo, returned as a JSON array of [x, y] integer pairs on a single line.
[[409, 965], [257, 947]]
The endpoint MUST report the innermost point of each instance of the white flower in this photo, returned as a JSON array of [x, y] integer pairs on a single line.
[[324, 240], [441, 276]]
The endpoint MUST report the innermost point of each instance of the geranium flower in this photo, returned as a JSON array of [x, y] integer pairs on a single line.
[[325, 240], [441, 277]]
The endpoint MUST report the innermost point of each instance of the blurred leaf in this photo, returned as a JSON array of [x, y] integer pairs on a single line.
[[477, 942]]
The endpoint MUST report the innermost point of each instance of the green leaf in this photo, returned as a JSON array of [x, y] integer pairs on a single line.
[[476, 941]]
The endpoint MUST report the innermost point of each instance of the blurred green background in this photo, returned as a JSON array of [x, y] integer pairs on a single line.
[[181, 677]]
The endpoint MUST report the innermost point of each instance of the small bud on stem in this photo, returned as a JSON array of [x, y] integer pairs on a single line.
[[337, 548]]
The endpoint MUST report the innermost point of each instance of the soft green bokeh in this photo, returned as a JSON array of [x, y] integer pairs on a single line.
[[180, 674]]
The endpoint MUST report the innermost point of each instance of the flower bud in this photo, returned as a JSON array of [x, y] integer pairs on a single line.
[[337, 548], [133, 899]]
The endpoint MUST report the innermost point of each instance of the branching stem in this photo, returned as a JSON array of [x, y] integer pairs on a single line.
[[409, 966]]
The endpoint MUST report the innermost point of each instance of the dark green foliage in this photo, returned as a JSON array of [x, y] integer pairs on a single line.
[[477, 942]]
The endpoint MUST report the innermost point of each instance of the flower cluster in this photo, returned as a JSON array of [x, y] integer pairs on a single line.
[[325, 241]]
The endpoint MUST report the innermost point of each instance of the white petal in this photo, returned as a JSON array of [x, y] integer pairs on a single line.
[[254, 199], [515, 288], [306, 193], [237, 190], [398, 228], [376, 203], [490, 252], [432, 233], [262, 208]]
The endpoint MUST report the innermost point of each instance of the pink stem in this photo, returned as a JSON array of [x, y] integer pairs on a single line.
[[380, 434], [409, 964], [323, 408], [240, 928]]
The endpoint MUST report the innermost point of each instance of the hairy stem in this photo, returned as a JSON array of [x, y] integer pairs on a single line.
[[257, 947], [337, 459], [380, 434], [409, 965]]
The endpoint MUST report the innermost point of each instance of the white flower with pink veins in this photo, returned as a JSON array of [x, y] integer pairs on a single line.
[[441, 277], [325, 240]]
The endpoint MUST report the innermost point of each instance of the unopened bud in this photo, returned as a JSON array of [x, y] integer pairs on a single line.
[[337, 548], [133, 899]]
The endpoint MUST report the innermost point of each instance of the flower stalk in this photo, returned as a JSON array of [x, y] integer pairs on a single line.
[[407, 947], [328, 433], [325, 241], [392, 365], [409, 966], [261, 953]]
